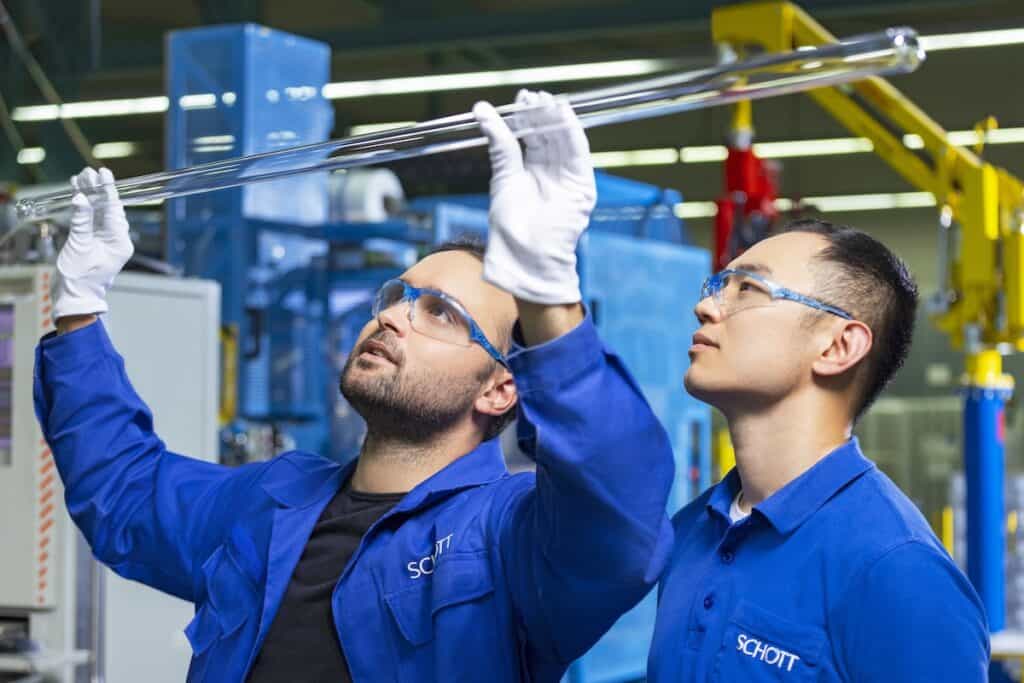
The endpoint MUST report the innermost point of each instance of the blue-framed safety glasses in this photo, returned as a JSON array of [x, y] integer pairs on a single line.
[[435, 314], [734, 290]]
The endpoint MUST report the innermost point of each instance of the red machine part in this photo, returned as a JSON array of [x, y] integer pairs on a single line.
[[746, 211]]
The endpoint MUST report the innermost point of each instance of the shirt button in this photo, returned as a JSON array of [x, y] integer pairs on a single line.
[[727, 556], [709, 602]]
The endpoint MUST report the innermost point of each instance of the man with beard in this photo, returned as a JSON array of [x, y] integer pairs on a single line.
[[423, 560]]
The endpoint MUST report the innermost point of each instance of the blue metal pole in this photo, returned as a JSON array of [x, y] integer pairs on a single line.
[[985, 398]]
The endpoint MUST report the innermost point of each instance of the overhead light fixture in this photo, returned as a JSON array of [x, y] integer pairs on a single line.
[[206, 100], [819, 147], [826, 203], [367, 128], [461, 81], [686, 210], [211, 149], [957, 41], [491, 79], [636, 157], [115, 150], [871, 202], [703, 155], [214, 140], [31, 155], [92, 109]]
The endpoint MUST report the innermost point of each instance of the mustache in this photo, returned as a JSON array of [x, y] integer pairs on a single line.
[[386, 339]]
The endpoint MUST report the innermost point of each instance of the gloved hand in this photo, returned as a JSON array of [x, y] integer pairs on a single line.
[[97, 247], [540, 205]]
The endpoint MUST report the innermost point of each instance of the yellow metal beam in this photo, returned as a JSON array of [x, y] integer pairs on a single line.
[[986, 202]]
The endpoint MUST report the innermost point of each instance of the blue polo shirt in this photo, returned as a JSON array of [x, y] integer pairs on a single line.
[[836, 577]]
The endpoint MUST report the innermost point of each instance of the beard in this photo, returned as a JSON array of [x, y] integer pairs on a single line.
[[398, 403]]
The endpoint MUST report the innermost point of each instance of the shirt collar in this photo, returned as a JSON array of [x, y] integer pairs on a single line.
[[723, 494], [794, 503]]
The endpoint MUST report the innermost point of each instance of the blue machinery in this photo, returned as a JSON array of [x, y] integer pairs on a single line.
[[297, 287]]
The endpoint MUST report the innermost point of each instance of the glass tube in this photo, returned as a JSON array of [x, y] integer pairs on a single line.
[[895, 50]]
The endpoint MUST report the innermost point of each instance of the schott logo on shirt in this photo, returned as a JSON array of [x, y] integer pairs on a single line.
[[769, 654], [425, 565]]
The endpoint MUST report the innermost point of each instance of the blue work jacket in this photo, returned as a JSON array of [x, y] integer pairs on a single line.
[[835, 577], [476, 575]]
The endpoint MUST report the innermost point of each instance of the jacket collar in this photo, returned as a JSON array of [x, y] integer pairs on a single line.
[[300, 479]]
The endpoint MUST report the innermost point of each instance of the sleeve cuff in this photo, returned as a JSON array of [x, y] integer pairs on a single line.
[[555, 362], [69, 350]]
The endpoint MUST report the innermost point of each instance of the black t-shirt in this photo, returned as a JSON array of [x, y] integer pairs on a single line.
[[302, 644]]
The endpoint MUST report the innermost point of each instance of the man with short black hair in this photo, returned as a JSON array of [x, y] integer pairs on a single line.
[[806, 563]]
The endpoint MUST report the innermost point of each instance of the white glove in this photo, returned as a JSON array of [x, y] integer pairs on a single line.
[[97, 247], [541, 205]]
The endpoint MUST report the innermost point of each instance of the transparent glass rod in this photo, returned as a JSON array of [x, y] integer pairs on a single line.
[[893, 51]]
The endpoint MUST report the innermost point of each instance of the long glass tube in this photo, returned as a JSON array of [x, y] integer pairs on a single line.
[[895, 50]]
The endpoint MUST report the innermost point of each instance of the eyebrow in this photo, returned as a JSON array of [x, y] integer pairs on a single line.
[[758, 268], [452, 297]]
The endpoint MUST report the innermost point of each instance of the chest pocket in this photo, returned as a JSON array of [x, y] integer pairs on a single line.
[[759, 647], [231, 576], [451, 597]]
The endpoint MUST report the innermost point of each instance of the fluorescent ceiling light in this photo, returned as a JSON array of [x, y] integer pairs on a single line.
[[115, 150], [686, 210], [199, 101], [31, 155], [703, 155], [443, 82], [804, 148], [827, 203], [1004, 136], [214, 140], [209, 149], [41, 112], [636, 157], [956, 41], [490, 79], [871, 202], [367, 128], [92, 109]]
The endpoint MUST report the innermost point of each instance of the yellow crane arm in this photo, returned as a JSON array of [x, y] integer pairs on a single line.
[[984, 292]]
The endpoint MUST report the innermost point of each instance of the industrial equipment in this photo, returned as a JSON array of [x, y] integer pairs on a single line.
[[62, 614]]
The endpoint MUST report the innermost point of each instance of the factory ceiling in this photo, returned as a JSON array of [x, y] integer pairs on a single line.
[[101, 49]]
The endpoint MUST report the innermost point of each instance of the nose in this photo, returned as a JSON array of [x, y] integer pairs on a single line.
[[707, 310], [395, 318]]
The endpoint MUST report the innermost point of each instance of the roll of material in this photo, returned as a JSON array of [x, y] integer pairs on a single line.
[[365, 195]]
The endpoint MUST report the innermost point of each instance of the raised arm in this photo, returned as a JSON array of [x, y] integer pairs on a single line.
[[147, 513], [590, 539]]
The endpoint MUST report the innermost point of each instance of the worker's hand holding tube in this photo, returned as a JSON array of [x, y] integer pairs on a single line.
[[97, 247], [540, 203]]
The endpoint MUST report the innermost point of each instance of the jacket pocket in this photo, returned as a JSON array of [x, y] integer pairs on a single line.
[[759, 647], [230, 603], [458, 580]]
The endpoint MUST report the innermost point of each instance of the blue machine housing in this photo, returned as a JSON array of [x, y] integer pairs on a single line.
[[297, 289]]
